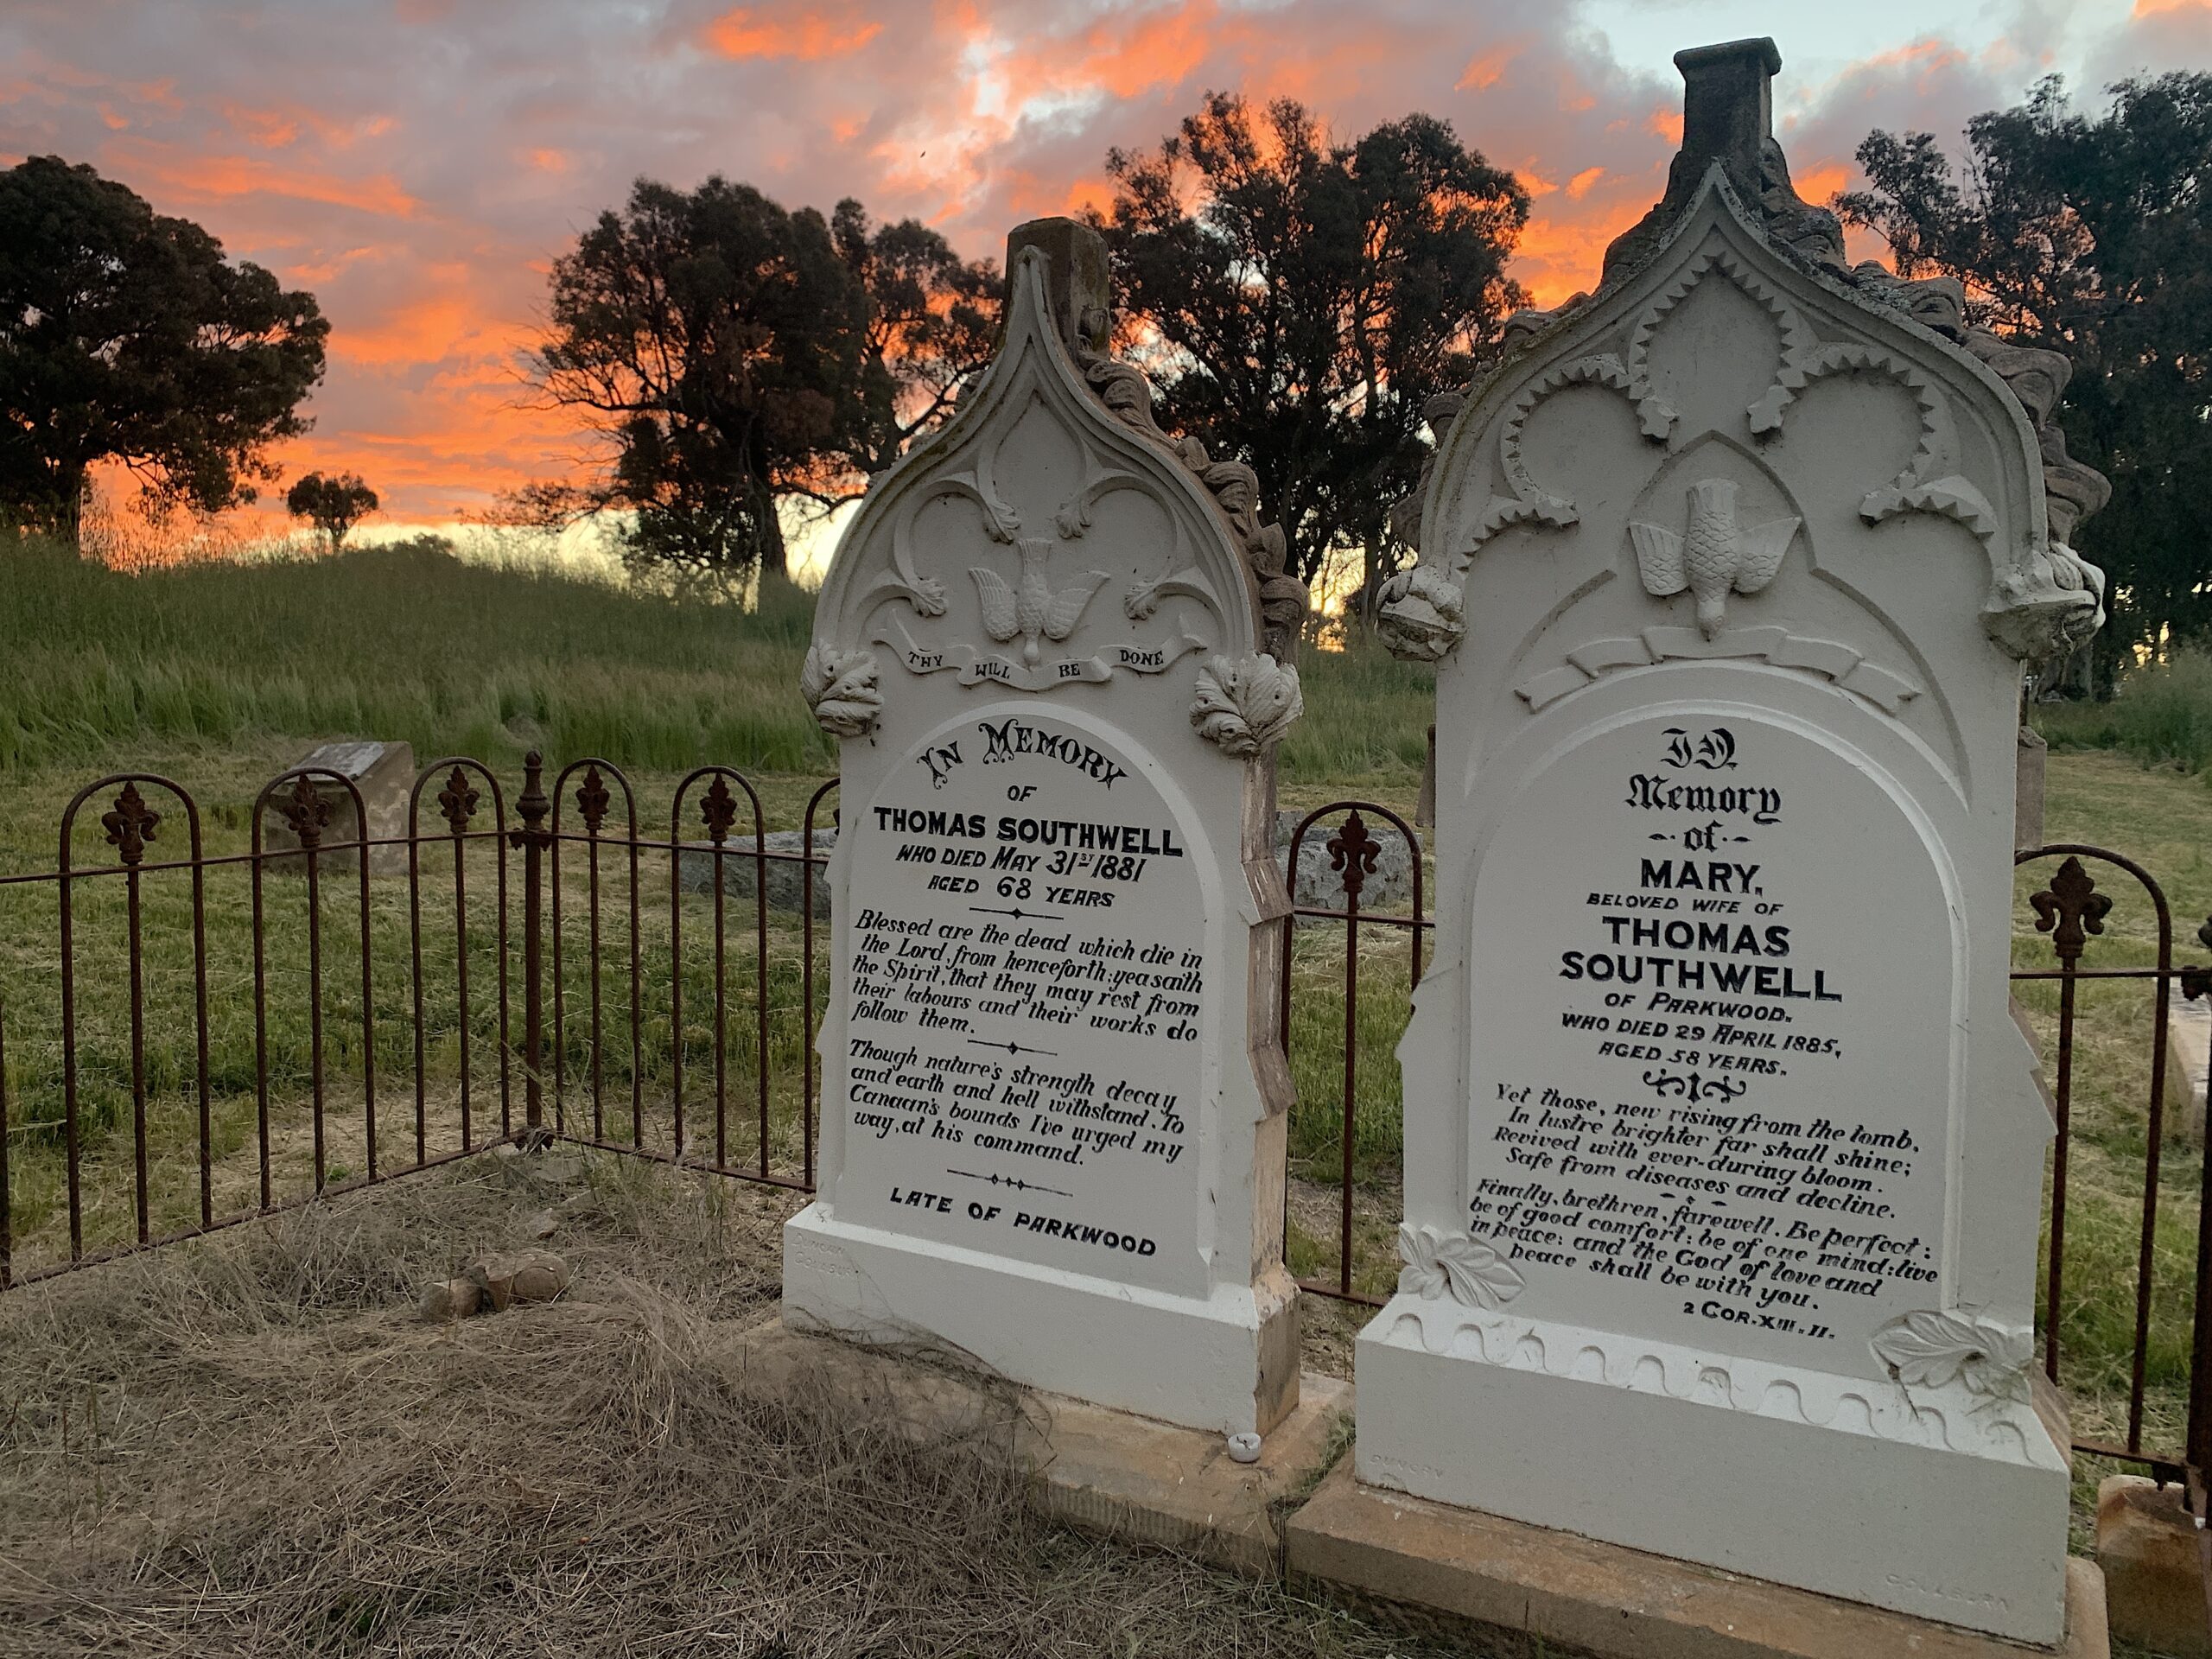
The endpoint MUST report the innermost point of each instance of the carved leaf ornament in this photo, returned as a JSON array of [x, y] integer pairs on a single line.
[[840, 687], [1246, 705], [1932, 1349], [1470, 1270]]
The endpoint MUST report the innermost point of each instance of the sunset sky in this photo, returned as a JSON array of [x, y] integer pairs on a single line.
[[418, 163]]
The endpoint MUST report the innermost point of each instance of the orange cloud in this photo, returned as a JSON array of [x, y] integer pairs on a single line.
[[1578, 186], [203, 178], [1821, 181], [750, 34], [1485, 70], [2162, 8]]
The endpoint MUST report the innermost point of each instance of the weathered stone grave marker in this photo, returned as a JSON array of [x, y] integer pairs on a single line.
[[1057, 647], [384, 774], [1723, 1159]]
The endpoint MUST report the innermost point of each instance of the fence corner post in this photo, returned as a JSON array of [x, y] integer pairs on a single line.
[[534, 807]]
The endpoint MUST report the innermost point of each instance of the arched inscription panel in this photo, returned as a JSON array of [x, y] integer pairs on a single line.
[[1034, 1000], [1713, 1041]]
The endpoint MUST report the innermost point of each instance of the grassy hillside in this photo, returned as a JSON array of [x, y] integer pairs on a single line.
[[407, 642], [402, 642]]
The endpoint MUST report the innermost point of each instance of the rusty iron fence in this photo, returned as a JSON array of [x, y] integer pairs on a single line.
[[231, 1034], [188, 1072]]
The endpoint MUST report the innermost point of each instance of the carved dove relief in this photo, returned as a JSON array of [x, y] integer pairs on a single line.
[[1030, 608], [1713, 554]]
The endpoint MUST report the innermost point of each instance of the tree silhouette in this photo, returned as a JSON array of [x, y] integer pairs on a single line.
[[731, 354], [1304, 300], [333, 505], [127, 337]]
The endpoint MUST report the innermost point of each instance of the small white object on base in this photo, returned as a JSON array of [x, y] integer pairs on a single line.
[[1244, 1448]]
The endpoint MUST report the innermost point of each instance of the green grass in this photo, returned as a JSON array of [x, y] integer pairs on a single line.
[[401, 642], [2161, 715]]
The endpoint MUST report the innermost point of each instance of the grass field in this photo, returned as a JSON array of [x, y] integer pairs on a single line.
[[220, 675]]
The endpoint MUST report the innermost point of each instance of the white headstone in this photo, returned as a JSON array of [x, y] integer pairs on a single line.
[[1723, 1159], [1053, 1099]]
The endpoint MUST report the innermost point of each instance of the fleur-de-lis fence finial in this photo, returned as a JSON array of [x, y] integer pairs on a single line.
[[130, 824], [457, 801], [305, 811], [1352, 853], [592, 800], [718, 810], [2070, 910]]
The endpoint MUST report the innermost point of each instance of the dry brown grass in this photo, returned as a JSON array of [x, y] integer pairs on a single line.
[[250, 1446]]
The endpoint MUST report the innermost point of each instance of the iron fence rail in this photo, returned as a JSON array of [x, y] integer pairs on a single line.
[[621, 1071]]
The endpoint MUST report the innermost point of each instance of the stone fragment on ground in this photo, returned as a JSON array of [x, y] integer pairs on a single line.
[[492, 1283], [449, 1299], [1320, 886], [786, 875], [505, 1279], [2146, 1543]]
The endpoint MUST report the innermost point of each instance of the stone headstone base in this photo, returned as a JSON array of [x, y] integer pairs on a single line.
[[1431, 1565], [1893, 1517], [2154, 1565], [2189, 1063], [1103, 1470], [1175, 1358]]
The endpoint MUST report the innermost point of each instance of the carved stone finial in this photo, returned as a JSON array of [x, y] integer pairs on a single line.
[[840, 687], [1078, 285], [1728, 108], [1246, 706], [1728, 122]]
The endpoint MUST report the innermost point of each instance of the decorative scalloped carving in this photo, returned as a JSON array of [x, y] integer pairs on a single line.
[[1467, 1268], [1950, 1417], [1796, 339], [840, 687], [1947, 498], [1843, 664], [1247, 705], [1529, 500], [1856, 359]]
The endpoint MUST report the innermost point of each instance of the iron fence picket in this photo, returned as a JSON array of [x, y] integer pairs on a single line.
[[2071, 910]]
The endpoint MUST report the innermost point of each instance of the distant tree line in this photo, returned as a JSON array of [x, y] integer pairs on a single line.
[[1297, 301]]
